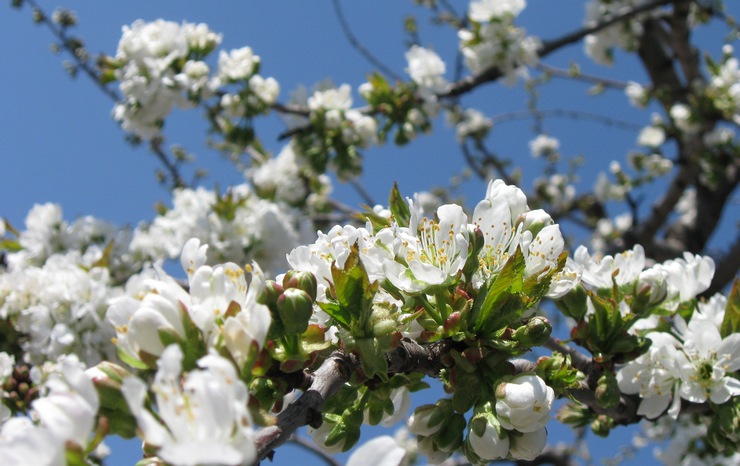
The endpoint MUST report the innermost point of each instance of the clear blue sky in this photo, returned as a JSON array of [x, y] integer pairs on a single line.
[[59, 144]]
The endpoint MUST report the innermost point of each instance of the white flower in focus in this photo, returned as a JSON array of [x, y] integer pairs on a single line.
[[489, 443], [433, 251], [380, 451], [524, 403], [426, 68], [689, 276], [204, 417], [655, 376], [528, 445], [709, 361], [598, 273], [425, 420]]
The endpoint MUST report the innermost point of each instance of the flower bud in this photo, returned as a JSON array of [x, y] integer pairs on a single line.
[[533, 333], [524, 403], [305, 281], [602, 425], [527, 446], [607, 391], [428, 419], [271, 294], [486, 439], [295, 308]]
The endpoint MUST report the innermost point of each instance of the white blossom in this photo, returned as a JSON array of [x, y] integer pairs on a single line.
[[202, 415], [426, 68], [524, 403]]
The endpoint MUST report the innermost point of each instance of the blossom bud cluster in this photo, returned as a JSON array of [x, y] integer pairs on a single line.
[[333, 107], [600, 46], [162, 65], [239, 225], [496, 41], [66, 414], [511, 426], [217, 311]]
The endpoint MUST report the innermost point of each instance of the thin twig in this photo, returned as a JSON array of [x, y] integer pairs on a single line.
[[82, 64], [561, 73], [358, 45], [562, 113]]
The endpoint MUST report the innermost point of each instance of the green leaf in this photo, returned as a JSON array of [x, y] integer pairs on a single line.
[[10, 245], [399, 207], [498, 293], [337, 312], [731, 322]]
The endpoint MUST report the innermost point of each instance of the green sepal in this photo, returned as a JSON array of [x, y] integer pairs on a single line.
[[399, 207], [731, 322], [574, 304], [131, 360]]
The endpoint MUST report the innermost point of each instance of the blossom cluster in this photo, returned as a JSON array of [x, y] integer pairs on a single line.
[[495, 41], [161, 65], [510, 426], [239, 225], [600, 46]]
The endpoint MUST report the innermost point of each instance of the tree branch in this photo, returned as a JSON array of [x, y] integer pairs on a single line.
[[334, 372], [471, 82], [325, 382]]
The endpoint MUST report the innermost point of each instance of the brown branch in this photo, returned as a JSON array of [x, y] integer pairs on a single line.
[[334, 372], [155, 145], [579, 360], [325, 382]]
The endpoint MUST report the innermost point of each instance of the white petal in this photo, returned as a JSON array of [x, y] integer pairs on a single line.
[[380, 451]]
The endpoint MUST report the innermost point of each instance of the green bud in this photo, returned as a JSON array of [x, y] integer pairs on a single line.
[[271, 294], [382, 321], [607, 391], [533, 333], [602, 425], [295, 307], [301, 280], [476, 242]]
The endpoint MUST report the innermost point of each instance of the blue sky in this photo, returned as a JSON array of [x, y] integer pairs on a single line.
[[59, 143]]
